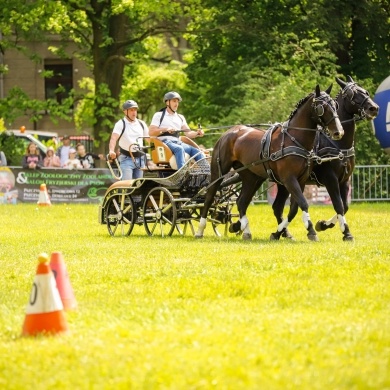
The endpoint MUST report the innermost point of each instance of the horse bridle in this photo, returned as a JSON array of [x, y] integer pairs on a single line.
[[349, 92], [318, 107]]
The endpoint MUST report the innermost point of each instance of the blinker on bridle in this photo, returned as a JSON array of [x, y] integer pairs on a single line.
[[349, 93], [319, 110]]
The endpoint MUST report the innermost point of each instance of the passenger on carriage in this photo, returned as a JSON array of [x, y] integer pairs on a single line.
[[128, 133], [166, 125]]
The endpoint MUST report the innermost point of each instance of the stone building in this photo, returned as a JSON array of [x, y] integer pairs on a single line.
[[27, 74]]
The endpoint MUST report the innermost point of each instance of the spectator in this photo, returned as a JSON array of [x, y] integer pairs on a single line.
[[63, 151], [32, 159], [73, 162], [87, 159], [3, 160], [51, 160]]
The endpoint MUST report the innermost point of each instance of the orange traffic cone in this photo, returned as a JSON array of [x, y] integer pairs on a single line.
[[58, 267], [43, 199], [44, 312]]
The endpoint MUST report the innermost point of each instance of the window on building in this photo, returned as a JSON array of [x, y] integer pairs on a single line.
[[60, 83]]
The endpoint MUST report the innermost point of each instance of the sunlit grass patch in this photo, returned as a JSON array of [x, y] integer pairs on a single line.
[[223, 313]]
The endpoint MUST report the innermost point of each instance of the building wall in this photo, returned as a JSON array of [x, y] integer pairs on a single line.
[[27, 74]]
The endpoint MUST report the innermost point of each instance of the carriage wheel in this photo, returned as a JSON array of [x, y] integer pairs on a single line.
[[120, 215], [221, 218], [159, 212], [185, 220], [183, 226], [187, 225]]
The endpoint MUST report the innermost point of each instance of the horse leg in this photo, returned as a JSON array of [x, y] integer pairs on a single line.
[[235, 227], [207, 204], [247, 193], [296, 191], [278, 207], [338, 194], [344, 190]]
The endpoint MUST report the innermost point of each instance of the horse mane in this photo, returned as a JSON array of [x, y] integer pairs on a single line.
[[299, 104]]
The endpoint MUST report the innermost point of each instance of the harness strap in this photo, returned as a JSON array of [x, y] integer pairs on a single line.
[[264, 152]]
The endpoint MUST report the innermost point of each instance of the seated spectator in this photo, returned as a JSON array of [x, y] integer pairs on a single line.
[[32, 159], [87, 159], [3, 160], [51, 160], [73, 162]]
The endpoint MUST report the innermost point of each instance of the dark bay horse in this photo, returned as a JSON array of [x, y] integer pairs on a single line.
[[336, 158], [283, 153]]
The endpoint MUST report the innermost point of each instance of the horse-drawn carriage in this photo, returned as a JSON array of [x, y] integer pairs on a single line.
[[287, 154], [166, 200]]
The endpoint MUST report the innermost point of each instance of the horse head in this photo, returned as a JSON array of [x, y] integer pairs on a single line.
[[357, 100], [324, 112]]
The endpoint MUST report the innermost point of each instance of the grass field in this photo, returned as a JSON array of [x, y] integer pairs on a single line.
[[180, 313]]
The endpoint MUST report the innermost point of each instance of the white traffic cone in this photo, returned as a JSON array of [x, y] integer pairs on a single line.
[[43, 199]]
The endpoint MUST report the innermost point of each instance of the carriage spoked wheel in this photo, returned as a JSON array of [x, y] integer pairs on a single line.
[[184, 224], [221, 218], [120, 215], [159, 212]]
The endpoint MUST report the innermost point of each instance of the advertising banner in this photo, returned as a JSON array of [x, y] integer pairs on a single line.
[[19, 185]]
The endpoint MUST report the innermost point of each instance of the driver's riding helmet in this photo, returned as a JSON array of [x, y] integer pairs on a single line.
[[129, 104], [172, 95]]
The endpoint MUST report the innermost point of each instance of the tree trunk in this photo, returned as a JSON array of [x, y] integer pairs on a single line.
[[108, 64]]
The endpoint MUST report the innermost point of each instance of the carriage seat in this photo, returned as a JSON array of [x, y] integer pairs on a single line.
[[163, 157]]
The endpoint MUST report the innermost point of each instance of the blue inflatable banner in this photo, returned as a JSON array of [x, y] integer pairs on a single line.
[[381, 123]]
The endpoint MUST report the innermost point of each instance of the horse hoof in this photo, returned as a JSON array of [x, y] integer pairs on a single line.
[[247, 236], [198, 236], [320, 226], [313, 237], [274, 237], [348, 237], [287, 234], [235, 227]]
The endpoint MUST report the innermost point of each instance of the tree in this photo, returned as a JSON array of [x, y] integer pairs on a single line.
[[110, 34], [253, 59]]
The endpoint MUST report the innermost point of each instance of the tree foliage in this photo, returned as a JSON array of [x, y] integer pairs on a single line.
[[253, 59], [232, 61], [109, 35], [13, 147]]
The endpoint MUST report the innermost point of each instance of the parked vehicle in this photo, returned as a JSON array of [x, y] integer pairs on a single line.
[[37, 137]]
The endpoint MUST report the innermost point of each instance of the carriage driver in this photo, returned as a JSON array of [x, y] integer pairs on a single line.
[[127, 132], [165, 125]]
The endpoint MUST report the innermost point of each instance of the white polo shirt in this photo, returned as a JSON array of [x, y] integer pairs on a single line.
[[174, 121], [133, 130]]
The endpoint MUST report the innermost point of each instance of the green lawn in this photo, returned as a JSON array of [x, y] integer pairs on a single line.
[[181, 313]]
